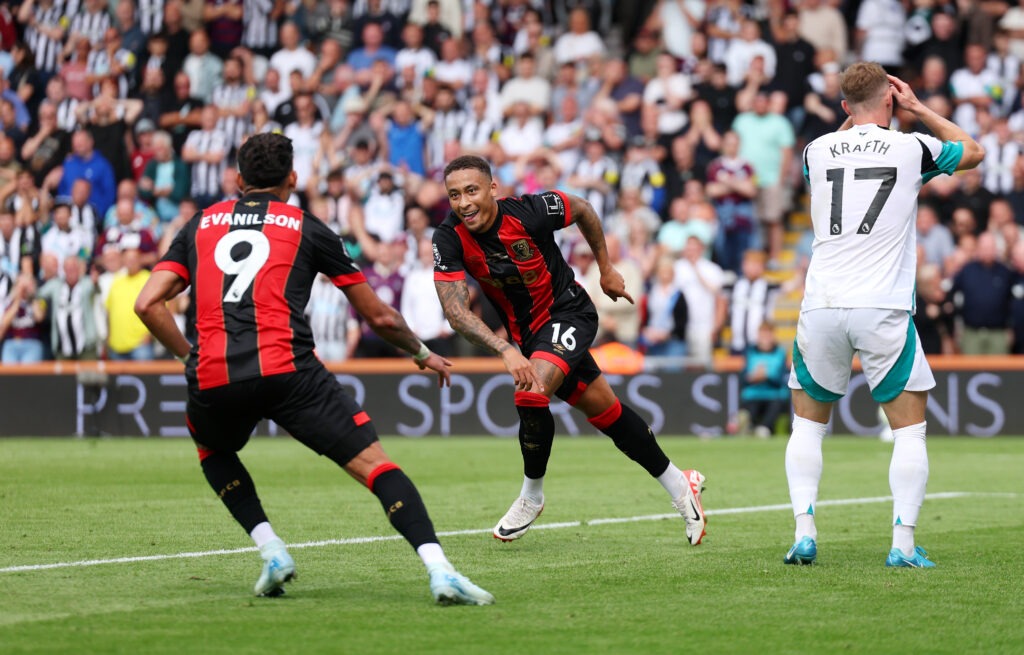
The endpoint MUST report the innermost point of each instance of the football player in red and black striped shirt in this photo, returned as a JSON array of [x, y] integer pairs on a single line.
[[508, 246], [250, 264]]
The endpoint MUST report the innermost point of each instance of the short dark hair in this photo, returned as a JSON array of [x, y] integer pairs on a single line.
[[467, 162], [265, 160]]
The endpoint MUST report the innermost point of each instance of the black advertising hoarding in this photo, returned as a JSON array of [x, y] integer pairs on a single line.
[[965, 402]]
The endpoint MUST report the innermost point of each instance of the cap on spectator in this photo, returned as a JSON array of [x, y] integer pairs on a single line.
[[62, 201], [145, 125], [386, 174], [638, 141]]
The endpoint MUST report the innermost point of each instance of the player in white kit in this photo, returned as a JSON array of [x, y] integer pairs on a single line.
[[859, 294]]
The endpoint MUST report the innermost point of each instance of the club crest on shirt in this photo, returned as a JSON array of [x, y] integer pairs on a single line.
[[521, 250]]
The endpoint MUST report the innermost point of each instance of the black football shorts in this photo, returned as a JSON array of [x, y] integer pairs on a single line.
[[310, 404], [565, 341]]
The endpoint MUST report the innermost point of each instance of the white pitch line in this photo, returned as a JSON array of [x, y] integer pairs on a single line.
[[457, 533]]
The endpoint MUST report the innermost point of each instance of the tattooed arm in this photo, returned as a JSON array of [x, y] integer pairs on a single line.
[[454, 297], [587, 220]]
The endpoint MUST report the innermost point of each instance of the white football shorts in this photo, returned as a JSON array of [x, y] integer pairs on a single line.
[[885, 339]]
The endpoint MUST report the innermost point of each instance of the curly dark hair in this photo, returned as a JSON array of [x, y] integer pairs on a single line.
[[265, 160], [468, 162]]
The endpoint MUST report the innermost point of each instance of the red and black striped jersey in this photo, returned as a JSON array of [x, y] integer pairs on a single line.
[[251, 264], [516, 261]]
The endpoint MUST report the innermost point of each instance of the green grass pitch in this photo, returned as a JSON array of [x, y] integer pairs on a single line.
[[588, 587]]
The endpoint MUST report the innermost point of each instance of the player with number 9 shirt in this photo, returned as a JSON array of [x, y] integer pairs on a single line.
[[250, 264], [508, 246]]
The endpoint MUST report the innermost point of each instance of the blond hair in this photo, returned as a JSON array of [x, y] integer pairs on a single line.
[[862, 83]]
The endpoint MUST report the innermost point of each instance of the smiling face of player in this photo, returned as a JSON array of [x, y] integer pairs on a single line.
[[471, 195]]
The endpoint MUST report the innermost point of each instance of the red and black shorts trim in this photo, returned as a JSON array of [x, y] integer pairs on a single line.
[[310, 404], [565, 341]]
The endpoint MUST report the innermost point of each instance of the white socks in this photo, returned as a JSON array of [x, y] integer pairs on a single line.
[[908, 477], [672, 480], [803, 470], [263, 533], [433, 556], [533, 490]]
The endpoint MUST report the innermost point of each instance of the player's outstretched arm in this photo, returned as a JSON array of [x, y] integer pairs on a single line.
[[454, 297], [586, 218], [151, 308], [389, 325], [942, 128]]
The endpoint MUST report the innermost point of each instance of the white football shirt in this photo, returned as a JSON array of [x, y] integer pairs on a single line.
[[864, 185]]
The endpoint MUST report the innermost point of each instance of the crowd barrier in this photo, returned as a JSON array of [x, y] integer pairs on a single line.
[[975, 396]]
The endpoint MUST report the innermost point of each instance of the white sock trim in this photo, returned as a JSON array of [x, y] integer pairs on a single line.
[[263, 534], [533, 490], [673, 482], [432, 556]]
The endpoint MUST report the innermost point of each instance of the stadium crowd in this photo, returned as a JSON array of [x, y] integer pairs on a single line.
[[683, 128]]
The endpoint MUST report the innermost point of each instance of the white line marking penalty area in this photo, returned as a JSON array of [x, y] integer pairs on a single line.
[[457, 533]]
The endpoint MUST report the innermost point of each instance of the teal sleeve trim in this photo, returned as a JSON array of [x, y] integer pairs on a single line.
[[947, 161]]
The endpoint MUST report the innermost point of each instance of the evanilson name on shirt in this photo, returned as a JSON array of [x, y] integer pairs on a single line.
[[227, 218]]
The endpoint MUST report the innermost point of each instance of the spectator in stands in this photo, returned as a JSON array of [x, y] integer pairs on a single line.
[[742, 51], [44, 151], [109, 121], [982, 291], [206, 150], [665, 311], [452, 70], [579, 43], [666, 95], [328, 317], [1017, 298], [751, 302], [732, 187], [766, 141], [374, 49], [70, 300], [223, 20], [84, 162], [824, 109], [63, 239], [618, 322], [165, 182], [291, 56], [21, 324], [1002, 151], [823, 26], [305, 135], [701, 283], [127, 337], [880, 32], [765, 395], [526, 86], [204, 69], [716, 91], [973, 88], [129, 229], [935, 315], [406, 140], [386, 280], [934, 239], [384, 209], [144, 216], [596, 174], [420, 306]]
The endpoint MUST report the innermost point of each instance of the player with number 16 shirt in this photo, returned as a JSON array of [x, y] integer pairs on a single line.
[[508, 246]]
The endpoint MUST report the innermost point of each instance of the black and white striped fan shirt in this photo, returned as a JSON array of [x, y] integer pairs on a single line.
[[258, 30], [232, 97], [206, 177], [151, 16], [92, 25], [72, 308], [48, 51], [66, 118]]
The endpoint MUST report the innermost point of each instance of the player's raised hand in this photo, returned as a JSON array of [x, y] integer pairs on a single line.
[[440, 365], [614, 286], [522, 371], [904, 95]]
